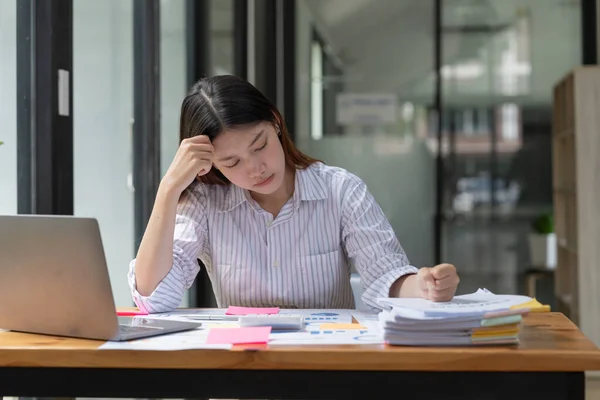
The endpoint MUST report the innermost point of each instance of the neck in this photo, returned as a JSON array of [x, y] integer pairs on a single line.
[[276, 200]]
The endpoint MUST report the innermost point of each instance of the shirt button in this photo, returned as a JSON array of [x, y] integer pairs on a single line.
[[276, 264]]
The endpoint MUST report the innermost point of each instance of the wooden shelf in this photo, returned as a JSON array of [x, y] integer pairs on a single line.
[[576, 191]]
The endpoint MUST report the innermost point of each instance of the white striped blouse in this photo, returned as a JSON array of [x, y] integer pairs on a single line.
[[300, 259]]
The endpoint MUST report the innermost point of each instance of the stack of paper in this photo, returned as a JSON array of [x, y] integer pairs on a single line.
[[480, 318]]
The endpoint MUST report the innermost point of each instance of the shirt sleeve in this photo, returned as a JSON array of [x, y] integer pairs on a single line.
[[189, 240], [371, 244]]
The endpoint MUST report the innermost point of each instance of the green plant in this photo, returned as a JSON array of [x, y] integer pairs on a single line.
[[544, 224]]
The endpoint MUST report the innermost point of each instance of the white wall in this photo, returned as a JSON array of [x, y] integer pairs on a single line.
[[8, 107]]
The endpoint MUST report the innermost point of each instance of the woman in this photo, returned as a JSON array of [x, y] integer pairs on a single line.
[[273, 226]]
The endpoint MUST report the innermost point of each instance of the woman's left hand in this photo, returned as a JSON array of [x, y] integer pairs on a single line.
[[438, 283]]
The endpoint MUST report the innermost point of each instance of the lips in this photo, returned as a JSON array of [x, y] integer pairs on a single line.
[[265, 181]]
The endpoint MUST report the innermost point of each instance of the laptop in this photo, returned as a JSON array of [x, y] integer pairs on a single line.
[[54, 280]]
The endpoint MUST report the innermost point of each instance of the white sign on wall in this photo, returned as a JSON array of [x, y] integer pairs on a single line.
[[366, 108]]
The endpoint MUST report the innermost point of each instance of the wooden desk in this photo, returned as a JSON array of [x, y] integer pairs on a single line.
[[548, 364]]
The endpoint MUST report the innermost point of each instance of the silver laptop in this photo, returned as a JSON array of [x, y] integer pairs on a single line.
[[54, 280]]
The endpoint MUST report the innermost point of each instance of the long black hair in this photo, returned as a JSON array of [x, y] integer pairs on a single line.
[[215, 104]]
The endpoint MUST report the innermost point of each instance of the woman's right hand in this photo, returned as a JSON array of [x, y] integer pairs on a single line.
[[193, 158]]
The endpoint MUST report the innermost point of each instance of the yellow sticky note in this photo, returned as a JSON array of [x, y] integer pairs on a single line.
[[533, 305], [341, 326]]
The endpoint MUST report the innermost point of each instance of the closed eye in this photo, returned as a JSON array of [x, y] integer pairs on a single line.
[[233, 165], [261, 147]]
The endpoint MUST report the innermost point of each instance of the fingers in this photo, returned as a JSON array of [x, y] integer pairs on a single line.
[[200, 148], [199, 143], [442, 295], [446, 283], [202, 153], [439, 283], [426, 280], [198, 139], [443, 271]]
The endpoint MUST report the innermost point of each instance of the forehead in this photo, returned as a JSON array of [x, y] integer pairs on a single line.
[[231, 140]]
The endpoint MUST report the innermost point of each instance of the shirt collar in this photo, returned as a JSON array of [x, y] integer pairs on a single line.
[[234, 196], [308, 186]]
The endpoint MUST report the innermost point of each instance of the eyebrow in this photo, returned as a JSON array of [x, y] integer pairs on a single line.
[[256, 139]]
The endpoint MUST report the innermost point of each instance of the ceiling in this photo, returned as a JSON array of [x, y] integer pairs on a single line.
[[389, 44]]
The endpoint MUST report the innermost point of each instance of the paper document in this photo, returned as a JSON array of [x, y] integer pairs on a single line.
[[338, 329], [480, 318], [318, 316], [341, 326], [337, 323], [475, 304], [311, 316], [207, 314], [194, 339], [326, 337], [363, 317]]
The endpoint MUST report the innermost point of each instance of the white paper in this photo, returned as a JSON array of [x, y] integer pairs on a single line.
[[474, 304], [317, 316], [311, 335], [194, 339], [188, 314], [321, 337], [365, 318], [311, 316]]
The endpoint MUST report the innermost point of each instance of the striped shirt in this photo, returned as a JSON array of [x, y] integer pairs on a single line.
[[300, 259]]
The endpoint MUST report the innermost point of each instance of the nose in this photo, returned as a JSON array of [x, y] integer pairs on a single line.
[[256, 168]]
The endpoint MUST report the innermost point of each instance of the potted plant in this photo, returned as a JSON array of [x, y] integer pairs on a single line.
[[542, 242]]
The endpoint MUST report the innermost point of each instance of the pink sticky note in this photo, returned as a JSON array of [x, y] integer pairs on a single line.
[[130, 313], [258, 334], [233, 310]]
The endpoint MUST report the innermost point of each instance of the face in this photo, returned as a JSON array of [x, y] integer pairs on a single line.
[[251, 158]]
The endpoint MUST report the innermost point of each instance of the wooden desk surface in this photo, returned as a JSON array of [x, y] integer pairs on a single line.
[[549, 342]]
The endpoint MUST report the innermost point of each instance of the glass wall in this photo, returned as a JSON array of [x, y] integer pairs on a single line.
[[173, 80], [221, 37], [102, 117], [358, 108], [173, 77], [501, 60], [8, 107], [365, 102]]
